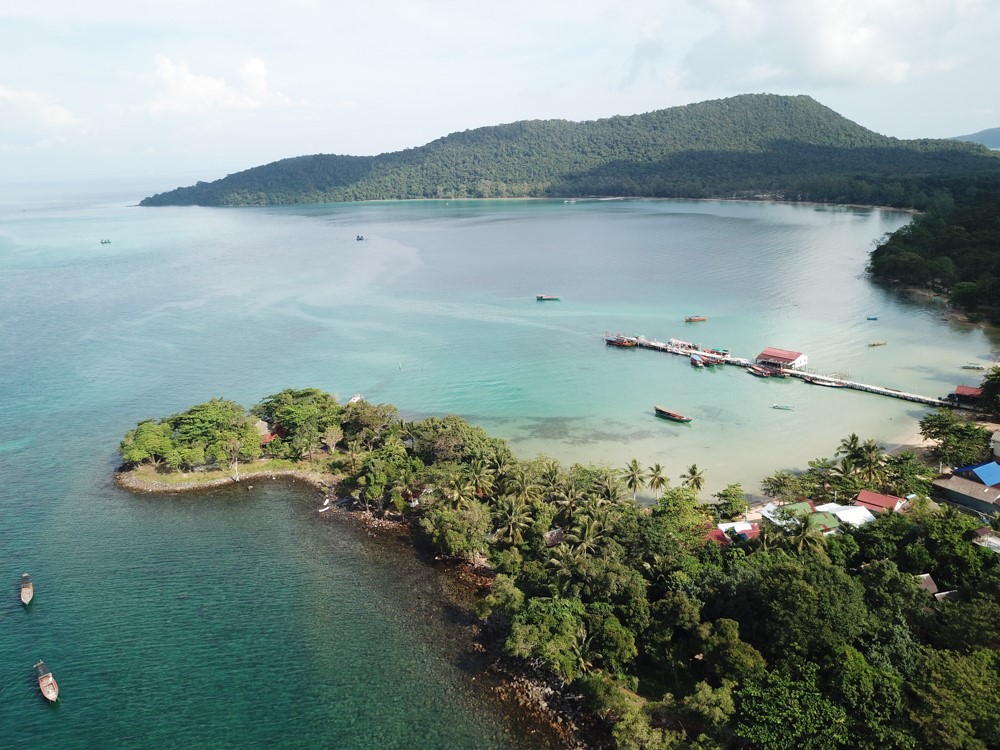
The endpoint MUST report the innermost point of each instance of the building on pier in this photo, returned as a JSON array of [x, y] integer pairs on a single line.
[[782, 358]]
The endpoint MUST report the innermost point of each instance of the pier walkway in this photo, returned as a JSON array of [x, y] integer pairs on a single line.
[[686, 349]]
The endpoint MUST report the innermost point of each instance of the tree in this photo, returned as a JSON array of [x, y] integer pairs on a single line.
[[693, 478], [656, 480], [732, 501], [991, 391], [635, 479], [782, 486]]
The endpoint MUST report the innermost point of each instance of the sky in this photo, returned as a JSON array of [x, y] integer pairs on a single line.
[[195, 89]]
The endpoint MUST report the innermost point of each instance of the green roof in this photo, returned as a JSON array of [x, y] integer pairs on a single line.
[[823, 520]]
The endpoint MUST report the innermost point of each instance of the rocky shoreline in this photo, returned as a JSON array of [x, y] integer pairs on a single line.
[[531, 695]]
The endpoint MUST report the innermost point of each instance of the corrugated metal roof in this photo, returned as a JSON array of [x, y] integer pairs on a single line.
[[968, 390], [779, 355]]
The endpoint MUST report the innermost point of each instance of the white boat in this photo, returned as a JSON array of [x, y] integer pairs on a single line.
[[47, 683], [27, 590]]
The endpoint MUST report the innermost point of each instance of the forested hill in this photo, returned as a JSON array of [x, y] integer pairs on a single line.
[[788, 147], [989, 137]]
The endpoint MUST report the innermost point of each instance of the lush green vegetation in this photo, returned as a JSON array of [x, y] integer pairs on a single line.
[[748, 146], [791, 640], [953, 248]]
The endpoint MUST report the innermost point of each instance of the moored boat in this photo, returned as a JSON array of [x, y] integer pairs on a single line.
[[878, 343], [873, 317], [784, 407], [760, 372], [825, 381], [695, 319], [973, 366], [697, 361], [46, 682], [625, 342], [671, 415], [546, 298], [27, 589]]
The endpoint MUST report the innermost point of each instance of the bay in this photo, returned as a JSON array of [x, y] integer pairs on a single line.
[[242, 618]]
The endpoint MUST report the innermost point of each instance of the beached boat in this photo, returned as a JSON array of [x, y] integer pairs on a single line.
[[621, 341], [784, 407], [46, 682], [695, 319], [546, 298], [878, 343], [27, 589], [973, 366], [671, 415]]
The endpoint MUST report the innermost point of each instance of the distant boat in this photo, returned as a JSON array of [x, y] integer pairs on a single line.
[[878, 343], [695, 318], [46, 682], [105, 242], [784, 407], [873, 317], [27, 589], [973, 366], [671, 415], [546, 298], [621, 341], [360, 238]]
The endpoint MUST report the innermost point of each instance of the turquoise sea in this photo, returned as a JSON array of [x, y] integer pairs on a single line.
[[245, 618]]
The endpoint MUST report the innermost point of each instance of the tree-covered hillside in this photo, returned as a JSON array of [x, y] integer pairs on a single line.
[[989, 137], [745, 146]]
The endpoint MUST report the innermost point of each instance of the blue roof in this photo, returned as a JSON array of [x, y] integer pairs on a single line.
[[988, 473]]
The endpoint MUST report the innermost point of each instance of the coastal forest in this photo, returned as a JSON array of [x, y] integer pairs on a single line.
[[668, 637], [749, 147]]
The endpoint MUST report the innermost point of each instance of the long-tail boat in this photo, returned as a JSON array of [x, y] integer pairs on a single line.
[[671, 415]]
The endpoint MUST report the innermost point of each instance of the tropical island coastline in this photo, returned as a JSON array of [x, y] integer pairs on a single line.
[[582, 591]]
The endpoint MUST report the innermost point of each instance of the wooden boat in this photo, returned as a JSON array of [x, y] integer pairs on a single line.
[[784, 407], [671, 415], [759, 371], [878, 343], [697, 361], [546, 298], [621, 341], [973, 366], [27, 589], [695, 319], [46, 682], [826, 382]]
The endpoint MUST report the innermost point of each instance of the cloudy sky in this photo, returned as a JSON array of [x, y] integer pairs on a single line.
[[202, 88]]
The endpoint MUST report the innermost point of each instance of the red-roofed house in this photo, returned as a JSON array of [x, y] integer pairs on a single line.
[[966, 394], [782, 358], [877, 503]]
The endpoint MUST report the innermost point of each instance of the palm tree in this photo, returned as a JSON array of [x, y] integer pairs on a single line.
[[521, 484], [564, 562], [694, 478], [871, 463], [850, 447], [514, 516], [550, 477], [608, 485], [568, 501], [807, 539], [635, 479], [656, 480], [481, 477], [354, 451], [586, 535], [458, 490]]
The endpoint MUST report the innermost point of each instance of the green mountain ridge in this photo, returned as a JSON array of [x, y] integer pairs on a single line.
[[989, 137], [753, 145]]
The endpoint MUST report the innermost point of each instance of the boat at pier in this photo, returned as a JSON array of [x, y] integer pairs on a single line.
[[671, 415], [46, 682], [697, 361], [824, 381], [546, 298], [695, 319], [625, 342], [27, 589], [760, 372]]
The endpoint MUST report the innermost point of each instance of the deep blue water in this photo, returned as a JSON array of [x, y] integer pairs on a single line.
[[246, 618]]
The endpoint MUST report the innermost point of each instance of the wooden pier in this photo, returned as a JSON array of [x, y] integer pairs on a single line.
[[686, 349]]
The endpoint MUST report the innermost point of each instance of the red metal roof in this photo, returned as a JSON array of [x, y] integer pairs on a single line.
[[779, 355], [878, 503], [968, 390]]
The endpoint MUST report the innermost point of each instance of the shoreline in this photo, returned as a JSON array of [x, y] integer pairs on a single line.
[[517, 688]]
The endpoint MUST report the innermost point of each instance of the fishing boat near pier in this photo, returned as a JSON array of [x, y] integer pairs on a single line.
[[624, 342]]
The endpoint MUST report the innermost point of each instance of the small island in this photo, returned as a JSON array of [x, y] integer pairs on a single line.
[[850, 611]]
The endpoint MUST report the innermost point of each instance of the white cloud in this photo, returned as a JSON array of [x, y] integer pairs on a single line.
[[185, 92], [35, 106]]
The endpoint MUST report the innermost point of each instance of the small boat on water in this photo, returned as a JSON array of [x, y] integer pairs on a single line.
[[546, 298], [360, 238], [46, 682], [695, 319], [671, 415], [873, 317], [697, 361], [973, 366], [27, 589], [760, 372], [878, 343], [783, 407], [624, 342]]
